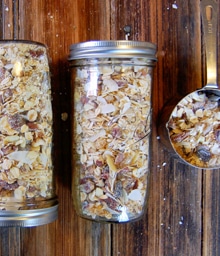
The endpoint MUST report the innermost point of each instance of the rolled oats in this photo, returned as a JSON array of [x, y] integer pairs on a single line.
[[112, 123], [25, 123]]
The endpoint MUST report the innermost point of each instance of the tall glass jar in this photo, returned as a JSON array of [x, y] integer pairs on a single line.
[[111, 122], [27, 196]]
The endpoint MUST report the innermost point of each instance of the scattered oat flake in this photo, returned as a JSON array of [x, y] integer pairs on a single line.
[[64, 116]]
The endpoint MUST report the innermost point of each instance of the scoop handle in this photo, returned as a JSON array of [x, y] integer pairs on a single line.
[[209, 20]]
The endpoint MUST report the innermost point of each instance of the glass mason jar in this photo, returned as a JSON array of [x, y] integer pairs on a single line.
[[111, 122], [27, 196]]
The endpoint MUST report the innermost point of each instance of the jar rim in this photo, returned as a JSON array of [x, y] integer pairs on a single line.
[[21, 41], [113, 49]]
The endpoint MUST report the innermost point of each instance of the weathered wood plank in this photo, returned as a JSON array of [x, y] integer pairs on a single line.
[[38, 241], [58, 25], [172, 225], [183, 207], [7, 19], [10, 243], [211, 209]]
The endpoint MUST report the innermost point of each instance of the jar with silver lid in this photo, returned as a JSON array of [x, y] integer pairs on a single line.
[[27, 193], [111, 126]]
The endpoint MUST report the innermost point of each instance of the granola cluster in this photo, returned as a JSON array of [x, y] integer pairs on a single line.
[[194, 129], [112, 117], [25, 123]]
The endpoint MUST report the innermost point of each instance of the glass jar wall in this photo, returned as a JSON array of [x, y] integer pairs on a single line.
[[27, 194], [111, 126]]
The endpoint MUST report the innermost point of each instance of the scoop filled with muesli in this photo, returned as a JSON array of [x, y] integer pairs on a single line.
[[194, 124]]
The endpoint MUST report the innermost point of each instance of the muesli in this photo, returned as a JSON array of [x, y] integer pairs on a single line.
[[112, 118], [194, 129], [25, 124]]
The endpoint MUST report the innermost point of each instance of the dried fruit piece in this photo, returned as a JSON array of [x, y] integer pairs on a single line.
[[16, 121], [203, 153]]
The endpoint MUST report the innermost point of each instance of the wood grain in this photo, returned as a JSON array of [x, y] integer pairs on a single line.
[[182, 217]]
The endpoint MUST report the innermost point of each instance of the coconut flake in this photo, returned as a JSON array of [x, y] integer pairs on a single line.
[[126, 107], [101, 100], [27, 157], [135, 195], [215, 149], [111, 85], [99, 134], [107, 108], [88, 107]]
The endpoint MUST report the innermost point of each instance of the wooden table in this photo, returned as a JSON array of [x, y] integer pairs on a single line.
[[183, 216]]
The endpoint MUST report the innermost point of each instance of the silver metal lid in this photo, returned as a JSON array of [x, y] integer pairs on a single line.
[[28, 218], [113, 49]]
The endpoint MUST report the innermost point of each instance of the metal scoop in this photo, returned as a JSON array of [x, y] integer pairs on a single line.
[[194, 125]]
